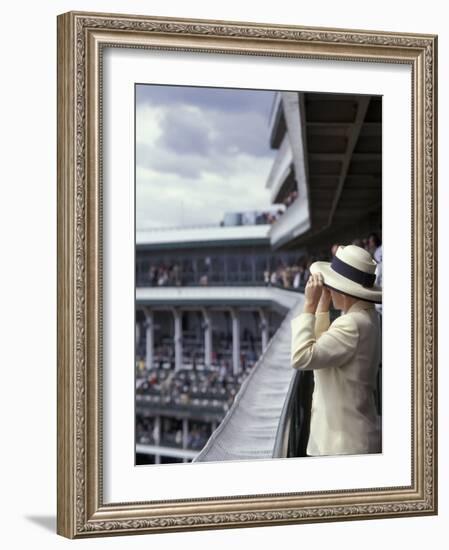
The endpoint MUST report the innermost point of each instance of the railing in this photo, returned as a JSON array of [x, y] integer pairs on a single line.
[[294, 425], [144, 229], [257, 221], [172, 452], [142, 281]]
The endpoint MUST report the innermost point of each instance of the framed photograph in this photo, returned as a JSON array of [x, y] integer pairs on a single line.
[[247, 274]]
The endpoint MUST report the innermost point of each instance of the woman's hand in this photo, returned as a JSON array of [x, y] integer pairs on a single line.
[[313, 292], [325, 301]]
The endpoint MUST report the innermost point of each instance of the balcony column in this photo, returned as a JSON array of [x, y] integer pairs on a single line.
[[149, 347], [207, 325], [263, 328], [157, 438], [137, 334], [235, 341], [177, 316], [185, 436], [185, 433]]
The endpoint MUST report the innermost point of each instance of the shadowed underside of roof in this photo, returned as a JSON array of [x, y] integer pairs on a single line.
[[342, 137]]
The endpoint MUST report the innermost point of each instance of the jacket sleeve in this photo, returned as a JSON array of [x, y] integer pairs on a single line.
[[322, 323], [334, 348]]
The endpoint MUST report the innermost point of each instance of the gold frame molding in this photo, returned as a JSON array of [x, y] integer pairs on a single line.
[[80, 508]]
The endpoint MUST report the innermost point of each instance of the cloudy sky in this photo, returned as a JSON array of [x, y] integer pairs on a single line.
[[200, 152]]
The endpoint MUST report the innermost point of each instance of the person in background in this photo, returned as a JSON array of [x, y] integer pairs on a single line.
[[375, 249], [358, 242], [266, 277], [299, 277], [379, 282], [374, 243]]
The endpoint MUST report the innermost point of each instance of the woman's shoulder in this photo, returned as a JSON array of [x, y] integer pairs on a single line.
[[345, 321], [363, 318]]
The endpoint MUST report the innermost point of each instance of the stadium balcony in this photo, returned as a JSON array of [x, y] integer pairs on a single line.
[[278, 299], [294, 221], [202, 236], [281, 170]]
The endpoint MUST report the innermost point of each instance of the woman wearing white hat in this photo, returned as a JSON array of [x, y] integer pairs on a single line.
[[344, 355]]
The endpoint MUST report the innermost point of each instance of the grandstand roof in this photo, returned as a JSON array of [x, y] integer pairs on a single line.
[[203, 236], [341, 155]]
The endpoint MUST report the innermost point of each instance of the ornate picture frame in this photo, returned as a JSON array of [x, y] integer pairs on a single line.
[[82, 38]]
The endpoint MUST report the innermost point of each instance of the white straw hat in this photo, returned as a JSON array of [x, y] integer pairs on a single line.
[[351, 272]]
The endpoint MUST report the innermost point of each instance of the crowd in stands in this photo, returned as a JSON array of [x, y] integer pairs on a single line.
[[291, 275], [212, 389], [193, 351], [171, 274], [169, 433], [164, 275], [269, 218], [288, 276]]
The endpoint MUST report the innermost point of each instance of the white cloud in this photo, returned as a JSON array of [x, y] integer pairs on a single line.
[[168, 200], [194, 164]]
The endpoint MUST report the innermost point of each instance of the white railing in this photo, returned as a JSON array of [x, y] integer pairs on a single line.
[[217, 295], [201, 234], [172, 452]]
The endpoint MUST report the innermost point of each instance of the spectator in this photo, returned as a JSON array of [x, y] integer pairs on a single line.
[[266, 277], [378, 282], [358, 242], [334, 249], [286, 277], [298, 281], [373, 244], [163, 277]]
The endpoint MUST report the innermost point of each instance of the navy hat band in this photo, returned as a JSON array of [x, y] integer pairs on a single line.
[[352, 273]]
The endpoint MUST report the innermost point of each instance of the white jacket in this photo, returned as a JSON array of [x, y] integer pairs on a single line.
[[345, 358]]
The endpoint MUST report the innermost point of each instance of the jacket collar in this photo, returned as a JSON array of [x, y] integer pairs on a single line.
[[360, 305]]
